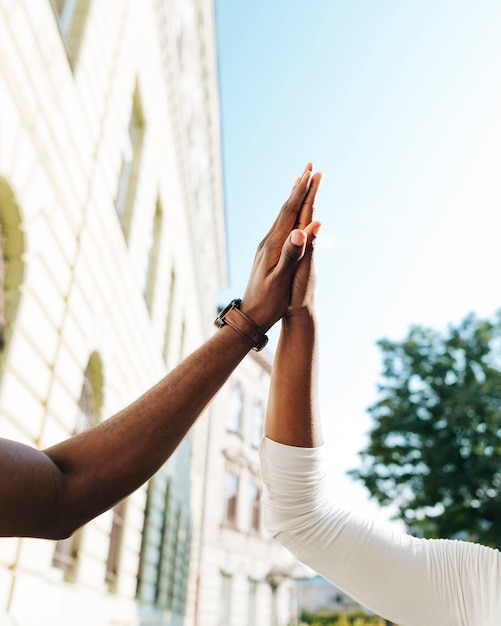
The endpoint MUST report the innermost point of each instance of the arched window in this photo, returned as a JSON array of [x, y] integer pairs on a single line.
[[129, 169], [71, 17], [153, 257], [91, 395], [12, 247], [89, 408]]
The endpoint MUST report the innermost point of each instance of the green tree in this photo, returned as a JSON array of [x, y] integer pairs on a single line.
[[435, 447]]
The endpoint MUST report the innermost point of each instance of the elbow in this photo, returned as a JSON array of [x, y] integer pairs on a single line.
[[52, 528], [61, 531], [67, 519], [276, 524], [62, 516], [56, 527]]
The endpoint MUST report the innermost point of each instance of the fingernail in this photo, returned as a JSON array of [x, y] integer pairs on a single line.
[[316, 229], [297, 237]]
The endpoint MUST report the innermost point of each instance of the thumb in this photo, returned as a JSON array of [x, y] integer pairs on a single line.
[[294, 245], [292, 250]]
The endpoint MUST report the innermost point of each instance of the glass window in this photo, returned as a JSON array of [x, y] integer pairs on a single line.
[[2, 287], [154, 253], [66, 551], [131, 156], [65, 555], [170, 315], [251, 612], [114, 546], [88, 412], [71, 17], [225, 600], [255, 508], [231, 496], [257, 423], [12, 247], [165, 551], [235, 409], [66, 12]]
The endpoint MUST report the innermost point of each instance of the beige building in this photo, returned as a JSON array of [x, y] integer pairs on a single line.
[[111, 210], [246, 579]]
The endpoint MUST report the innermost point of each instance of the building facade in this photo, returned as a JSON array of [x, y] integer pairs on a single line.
[[317, 595], [245, 578], [111, 210]]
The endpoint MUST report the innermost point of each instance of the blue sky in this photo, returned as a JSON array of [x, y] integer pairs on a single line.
[[399, 103]]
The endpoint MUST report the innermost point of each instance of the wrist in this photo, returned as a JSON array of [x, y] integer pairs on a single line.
[[300, 323], [258, 314], [233, 316], [304, 314]]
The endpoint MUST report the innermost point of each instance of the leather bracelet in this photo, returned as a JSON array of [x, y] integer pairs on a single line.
[[234, 317]]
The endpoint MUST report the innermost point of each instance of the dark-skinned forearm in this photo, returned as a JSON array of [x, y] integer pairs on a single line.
[[97, 468]]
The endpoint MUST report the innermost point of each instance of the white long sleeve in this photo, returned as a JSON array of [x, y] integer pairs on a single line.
[[410, 581]]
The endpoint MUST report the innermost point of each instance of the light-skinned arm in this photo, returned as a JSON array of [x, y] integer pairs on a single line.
[[380, 567], [51, 493]]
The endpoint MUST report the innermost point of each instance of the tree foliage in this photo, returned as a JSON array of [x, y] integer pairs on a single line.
[[435, 447], [341, 618]]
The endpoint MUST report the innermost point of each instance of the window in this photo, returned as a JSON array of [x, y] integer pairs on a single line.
[[231, 497], [91, 395], [255, 509], [162, 572], [252, 604], [235, 409], [180, 564], [165, 551], [65, 556], [12, 246], [170, 315], [151, 270], [142, 573], [66, 551], [182, 340], [114, 546], [225, 600], [152, 567], [71, 17], [131, 157], [257, 423], [2, 287]]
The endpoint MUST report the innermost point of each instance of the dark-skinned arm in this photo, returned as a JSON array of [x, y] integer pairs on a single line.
[[51, 493]]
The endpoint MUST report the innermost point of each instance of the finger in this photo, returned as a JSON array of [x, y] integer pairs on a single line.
[[292, 251], [309, 166], [312, 231], [290, 210], [286, 218], [308, 208], [295, 184], [304, 276]]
